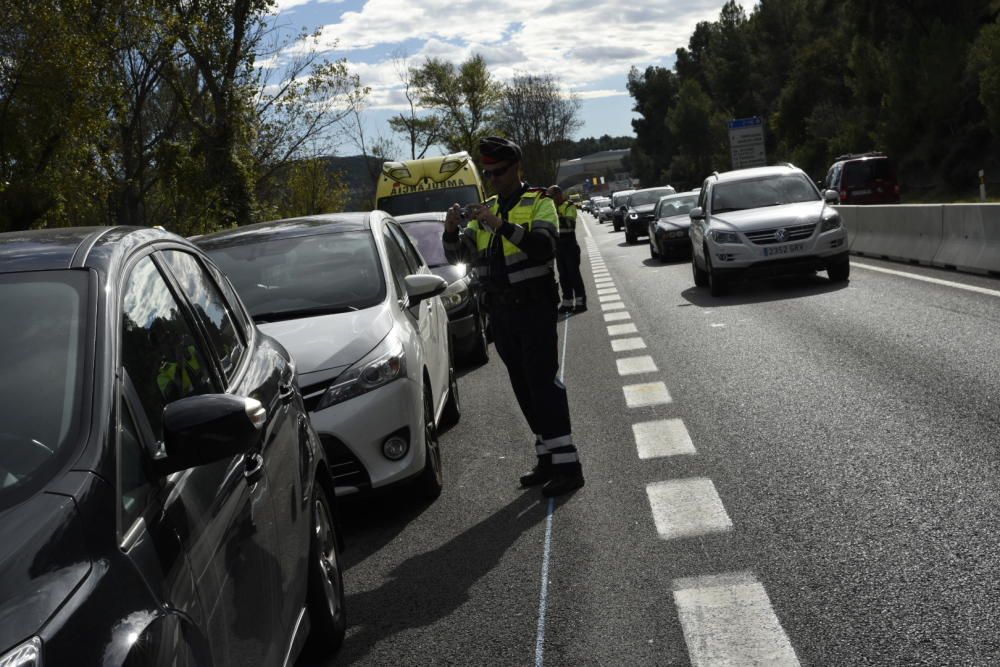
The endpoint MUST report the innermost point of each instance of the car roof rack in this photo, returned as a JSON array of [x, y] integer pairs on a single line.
[[855, 156]]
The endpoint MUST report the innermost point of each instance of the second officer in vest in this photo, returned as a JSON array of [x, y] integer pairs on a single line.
[[511, 242], [574, 298]]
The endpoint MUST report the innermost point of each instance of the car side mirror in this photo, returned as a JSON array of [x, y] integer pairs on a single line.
[[831, 196], [421, 286], [198, 430], [697, 213]]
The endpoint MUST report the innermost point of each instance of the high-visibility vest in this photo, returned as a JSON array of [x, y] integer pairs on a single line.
[[567, 218], [535, 211], [167, 376]]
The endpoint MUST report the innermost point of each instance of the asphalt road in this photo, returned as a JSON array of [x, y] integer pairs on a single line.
[[815, 482]]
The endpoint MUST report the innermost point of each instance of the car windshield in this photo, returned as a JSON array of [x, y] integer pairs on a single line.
[[426, 234], [43, 358], [677, 206], [619, 199], [865, 172], [429, 200], [761, 192], [304, 276], [644, 197]]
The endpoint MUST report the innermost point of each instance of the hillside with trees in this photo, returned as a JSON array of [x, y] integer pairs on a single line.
[[917, 79]]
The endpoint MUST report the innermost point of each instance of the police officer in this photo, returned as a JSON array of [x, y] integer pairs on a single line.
[[511, 241], [574, 298]]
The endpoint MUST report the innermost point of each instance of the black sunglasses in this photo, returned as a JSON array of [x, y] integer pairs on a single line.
[[494, 173]]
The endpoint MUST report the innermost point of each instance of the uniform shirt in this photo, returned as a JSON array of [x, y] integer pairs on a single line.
[[567, 218], [522, 248]]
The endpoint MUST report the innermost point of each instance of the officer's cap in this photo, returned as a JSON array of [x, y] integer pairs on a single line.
[[498, 149]]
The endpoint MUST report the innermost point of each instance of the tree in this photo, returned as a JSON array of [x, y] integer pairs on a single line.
[[985, 64], [463, 99], [55, 91], [419, 132], [535, 114], [310, 188], [655, 93]]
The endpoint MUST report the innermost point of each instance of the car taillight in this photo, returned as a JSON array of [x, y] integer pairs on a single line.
[[843, 195], [895, 189]]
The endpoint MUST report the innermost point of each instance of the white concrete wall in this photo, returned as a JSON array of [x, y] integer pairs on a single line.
[[961, 236]]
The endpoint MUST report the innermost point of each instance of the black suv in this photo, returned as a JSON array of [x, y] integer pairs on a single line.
[[863, 178], [163, 498]]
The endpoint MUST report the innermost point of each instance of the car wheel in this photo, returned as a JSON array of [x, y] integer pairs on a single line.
[[700, 275], [452, 407], [481, 351], [431, 479], [617, 227], [630, 237], [716, 284], [839, 273], [325, 595], [653, 253]]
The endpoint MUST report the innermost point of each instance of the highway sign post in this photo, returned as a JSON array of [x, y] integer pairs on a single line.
[[746, 142]]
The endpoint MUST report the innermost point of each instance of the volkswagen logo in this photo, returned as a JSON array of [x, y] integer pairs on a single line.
[[781, 235]]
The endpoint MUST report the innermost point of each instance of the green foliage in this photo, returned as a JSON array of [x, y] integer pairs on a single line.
[[154, 112], [463, 100], [902, 76]]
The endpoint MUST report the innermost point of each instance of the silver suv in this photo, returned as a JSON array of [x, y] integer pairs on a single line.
[[765, 221]]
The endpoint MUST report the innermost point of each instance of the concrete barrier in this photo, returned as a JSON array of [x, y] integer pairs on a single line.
[[971, 238], [961, 236]]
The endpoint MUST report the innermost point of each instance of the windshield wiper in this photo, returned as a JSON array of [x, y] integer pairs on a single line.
[[264, 318]]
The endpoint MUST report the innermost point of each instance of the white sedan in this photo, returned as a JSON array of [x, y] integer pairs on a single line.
[[357, 307]]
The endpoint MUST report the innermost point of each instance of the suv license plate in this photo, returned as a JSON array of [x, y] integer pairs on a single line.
[[783, 249]]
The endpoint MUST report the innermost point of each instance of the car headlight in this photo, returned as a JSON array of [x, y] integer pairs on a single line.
[[830, 222], [456, 294], [28, 654], [720, 236], [633, 215], [387, 362]]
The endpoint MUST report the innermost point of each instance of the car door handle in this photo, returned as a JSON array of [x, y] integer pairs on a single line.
[[254, 467], [285, 392]]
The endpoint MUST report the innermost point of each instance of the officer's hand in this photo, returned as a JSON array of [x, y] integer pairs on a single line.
[[487, 217], [453, 218]]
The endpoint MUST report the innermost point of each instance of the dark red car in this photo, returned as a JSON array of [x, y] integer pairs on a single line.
[[863, 178]]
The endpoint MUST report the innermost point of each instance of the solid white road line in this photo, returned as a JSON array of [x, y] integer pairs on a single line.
[[728, 620], [617, 317], [687, 508], [643, 395], [636, 365], [663, 437], [927, 279], [614, 305], [622, 329]]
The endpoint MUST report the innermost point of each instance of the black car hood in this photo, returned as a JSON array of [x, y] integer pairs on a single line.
[[449, 272], [41, 563], [644, 209], [675, 222]]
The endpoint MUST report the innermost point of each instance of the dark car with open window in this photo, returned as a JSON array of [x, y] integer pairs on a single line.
[[163, 498]]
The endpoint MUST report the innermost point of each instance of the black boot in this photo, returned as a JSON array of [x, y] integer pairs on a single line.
[[564, 478], [540, 473]]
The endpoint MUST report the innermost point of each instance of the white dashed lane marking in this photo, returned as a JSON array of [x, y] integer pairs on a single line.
[[607, 290], [664, 437], [643, 395], [615, 317], [612, 296], [636, 365], [687, 508], [614, 305], [627, 344], [622, 329], [727, 619]]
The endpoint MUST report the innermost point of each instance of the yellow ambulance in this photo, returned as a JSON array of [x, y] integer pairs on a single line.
[[428, 184]]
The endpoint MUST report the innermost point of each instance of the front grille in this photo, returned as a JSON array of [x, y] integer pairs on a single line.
[[345, 468], [796, 233]]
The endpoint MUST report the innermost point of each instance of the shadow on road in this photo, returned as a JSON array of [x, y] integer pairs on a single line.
[[430, 586], [762, 291]]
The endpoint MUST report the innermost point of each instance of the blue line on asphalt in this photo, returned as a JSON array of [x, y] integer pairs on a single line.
[[544, 599]]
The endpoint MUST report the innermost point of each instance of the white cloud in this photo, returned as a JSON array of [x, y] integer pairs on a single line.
[[582, 42]]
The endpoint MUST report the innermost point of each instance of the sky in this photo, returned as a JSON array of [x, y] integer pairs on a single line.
[[589, 45]]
